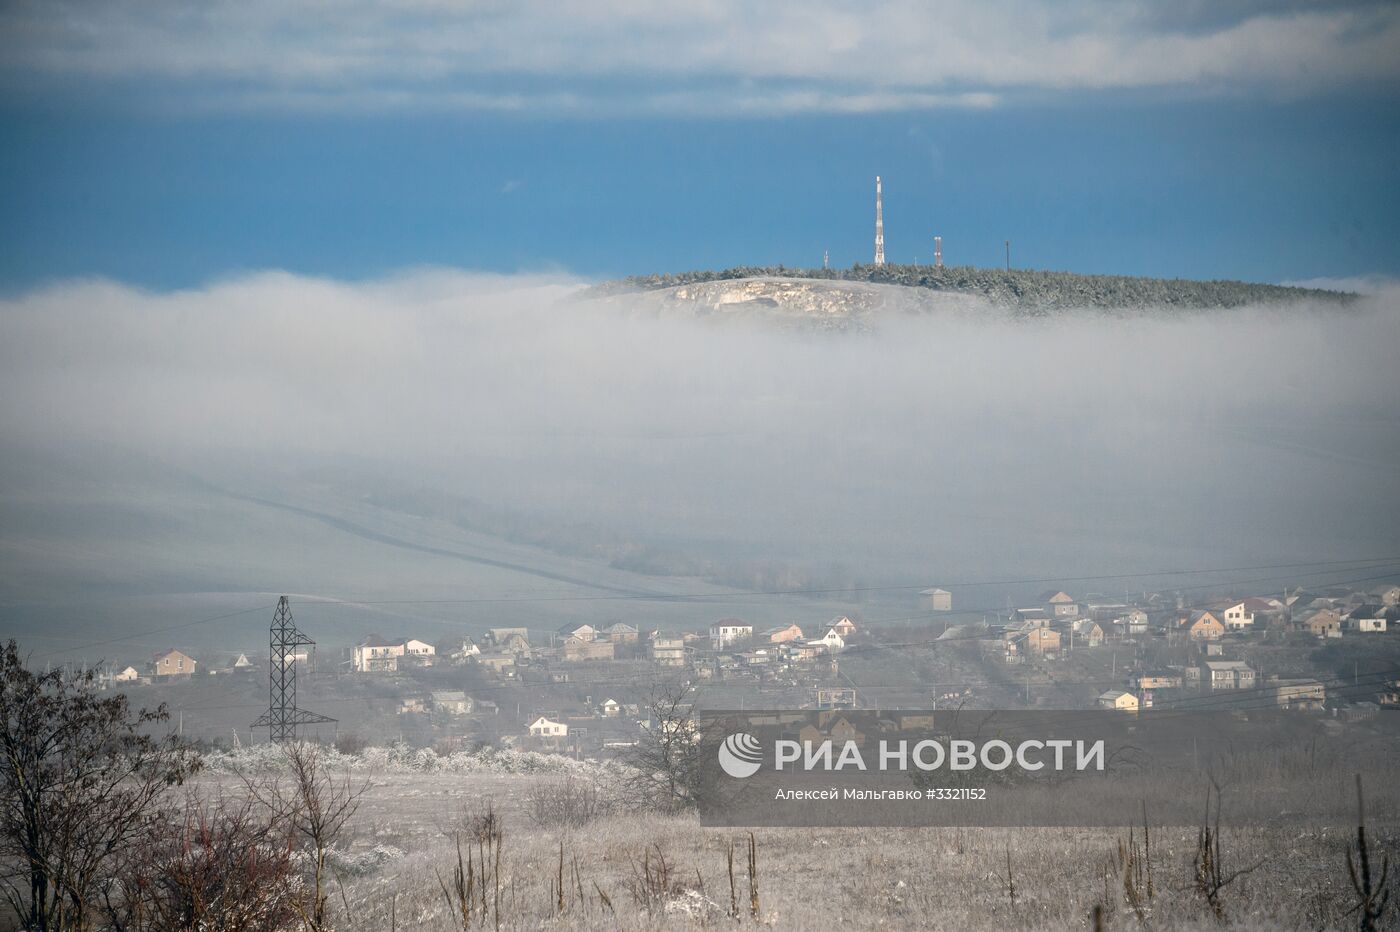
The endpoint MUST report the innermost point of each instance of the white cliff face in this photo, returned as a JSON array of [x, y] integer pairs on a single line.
[[803, 303]]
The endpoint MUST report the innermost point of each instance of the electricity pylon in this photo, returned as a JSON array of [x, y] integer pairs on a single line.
[[282, 716]]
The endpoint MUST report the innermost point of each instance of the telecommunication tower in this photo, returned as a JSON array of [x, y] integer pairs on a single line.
[[879, 225], [938, 252], [826, 258], [282, 716]]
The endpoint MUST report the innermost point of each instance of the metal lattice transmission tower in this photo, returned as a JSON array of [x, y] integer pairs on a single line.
[[879, 224], [282, 716]]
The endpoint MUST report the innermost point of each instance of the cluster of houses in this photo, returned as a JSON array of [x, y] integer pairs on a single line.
[[506, 651], [168, 665], [548, 729], [1215, 637], [729, 647], [1151, 687], [1060, 622]]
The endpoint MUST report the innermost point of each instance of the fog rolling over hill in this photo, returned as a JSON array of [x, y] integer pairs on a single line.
[[442, 435]]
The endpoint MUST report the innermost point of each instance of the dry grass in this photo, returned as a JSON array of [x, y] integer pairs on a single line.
[[641, 871]]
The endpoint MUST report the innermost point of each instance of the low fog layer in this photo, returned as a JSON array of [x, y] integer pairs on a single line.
[[253, 435]]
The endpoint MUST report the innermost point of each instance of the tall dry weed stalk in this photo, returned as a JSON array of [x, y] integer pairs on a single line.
[[475, 890], [652, 883], [753, 875], [1132, 863], [1374, 892], [1010, 879], [1211, 876]]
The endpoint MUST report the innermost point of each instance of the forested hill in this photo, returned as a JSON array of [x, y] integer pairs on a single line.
[[1025, 290]]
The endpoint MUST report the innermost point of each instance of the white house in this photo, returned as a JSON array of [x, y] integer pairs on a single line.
[[1237, 617], [375, 654], [728, 631], [129, 675], [544, 728], [418, 650], [831, 640], [1368, 619], [611, 708], [584, 631]]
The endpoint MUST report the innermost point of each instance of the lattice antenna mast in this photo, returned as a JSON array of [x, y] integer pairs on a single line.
[[879, 224], [282, 716], [938, 252]]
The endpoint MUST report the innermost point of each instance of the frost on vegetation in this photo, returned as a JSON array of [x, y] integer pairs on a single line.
[[692, 904], [354, 863], [400, 758], [1030, 291]]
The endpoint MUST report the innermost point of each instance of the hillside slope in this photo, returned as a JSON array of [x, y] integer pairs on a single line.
[[794, 302], [1024, 291]]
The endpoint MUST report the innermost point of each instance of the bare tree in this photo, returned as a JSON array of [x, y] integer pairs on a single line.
[[226, 865], [80, 779], [316, 808], [665, 760]]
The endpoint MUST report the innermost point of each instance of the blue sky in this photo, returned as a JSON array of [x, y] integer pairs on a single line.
[[1233, 140]]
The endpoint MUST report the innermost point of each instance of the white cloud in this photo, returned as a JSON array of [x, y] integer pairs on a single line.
[[939, 441], [712, 56]]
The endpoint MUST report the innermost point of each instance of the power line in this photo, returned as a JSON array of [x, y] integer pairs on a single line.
[[745, 594], [162, 630], [741, 596]]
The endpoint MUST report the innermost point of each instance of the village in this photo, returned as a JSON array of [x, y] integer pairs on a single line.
[[586, 690]]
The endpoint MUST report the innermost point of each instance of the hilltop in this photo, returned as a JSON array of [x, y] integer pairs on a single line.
[[1023, 291], [800, 303]]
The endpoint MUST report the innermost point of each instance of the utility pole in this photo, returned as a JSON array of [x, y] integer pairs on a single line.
[[1008, 255]]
